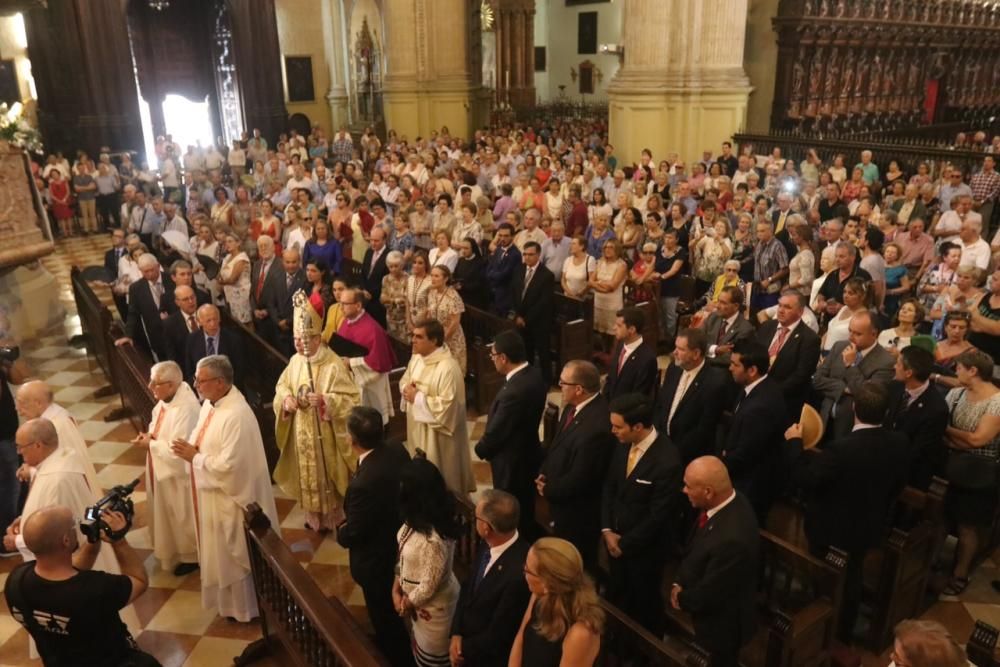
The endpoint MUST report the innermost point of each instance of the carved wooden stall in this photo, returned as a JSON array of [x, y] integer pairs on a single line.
[[856, 65]]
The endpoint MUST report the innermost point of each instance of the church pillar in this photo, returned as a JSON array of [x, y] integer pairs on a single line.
[[685, 91], [516, 52], [257, 56], [337, 41], [434, 67]]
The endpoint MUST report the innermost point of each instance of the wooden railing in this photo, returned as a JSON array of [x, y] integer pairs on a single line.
[[480, 328], [296, 618], [130, 370], [95, 318]]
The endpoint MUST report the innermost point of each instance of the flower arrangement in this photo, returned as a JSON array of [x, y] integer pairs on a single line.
[[14, 128]]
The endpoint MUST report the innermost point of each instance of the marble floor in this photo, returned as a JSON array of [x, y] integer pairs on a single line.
[[174, 626]]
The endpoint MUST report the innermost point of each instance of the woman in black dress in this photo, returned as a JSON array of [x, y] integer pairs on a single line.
[[469, 278], [563, 623]]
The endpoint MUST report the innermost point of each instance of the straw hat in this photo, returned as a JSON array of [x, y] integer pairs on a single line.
[[812, 427]]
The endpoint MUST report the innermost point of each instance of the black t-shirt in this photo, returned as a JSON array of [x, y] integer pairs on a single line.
[[8, 412], [985, 342], [670, 287], [833, 287], [78, 617]]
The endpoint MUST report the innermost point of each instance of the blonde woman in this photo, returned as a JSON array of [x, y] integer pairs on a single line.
[[608, 282], [234, 277], [563, 622], [417, 285]]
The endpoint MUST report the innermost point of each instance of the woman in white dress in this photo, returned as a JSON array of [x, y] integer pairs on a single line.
[[426, 589], [608, 282], [442, 253], [234, 277], [856, 300], [576, 269]]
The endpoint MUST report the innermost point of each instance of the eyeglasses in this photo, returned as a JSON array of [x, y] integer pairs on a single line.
[[568, 384], [20, 448], [204, 381]]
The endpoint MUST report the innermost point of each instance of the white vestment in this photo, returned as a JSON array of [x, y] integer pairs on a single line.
[[168, 482], [60, 480], [70, 436], [374, 388], [229, 472]]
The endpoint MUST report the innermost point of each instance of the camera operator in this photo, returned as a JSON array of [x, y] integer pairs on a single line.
[[13, 370], [70, 610]]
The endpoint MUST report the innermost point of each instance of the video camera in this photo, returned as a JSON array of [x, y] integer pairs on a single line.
[[9, 353], [117, 500]]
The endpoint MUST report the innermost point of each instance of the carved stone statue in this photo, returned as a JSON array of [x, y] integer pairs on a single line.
[[824, 7], [816, 74], [832, 80], [847, 80], [798, 74], [22, 238]]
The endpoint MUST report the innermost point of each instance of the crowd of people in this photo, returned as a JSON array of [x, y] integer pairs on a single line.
[[863, 298]]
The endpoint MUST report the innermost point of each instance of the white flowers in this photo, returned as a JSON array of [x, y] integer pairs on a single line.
[[15, 129]]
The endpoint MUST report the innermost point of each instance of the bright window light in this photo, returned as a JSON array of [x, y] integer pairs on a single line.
[[20, 34], [187, 121]]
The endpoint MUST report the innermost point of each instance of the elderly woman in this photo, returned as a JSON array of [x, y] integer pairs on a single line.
[[858, 295], [469, 279], [394, 296], [643, 276], [909, 315], [234, 277], [802, 265], [959, 296], [442, 254], [956, 342], [973, 437]]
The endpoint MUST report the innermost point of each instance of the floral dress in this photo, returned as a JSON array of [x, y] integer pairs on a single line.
[[394, 296], [237, 295], [425, 575], [711, 256], [441, 306], [416, 301]]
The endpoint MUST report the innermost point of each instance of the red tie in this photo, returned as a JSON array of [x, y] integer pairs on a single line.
[[568, 417], [778, 342], [260, 280], [621, 359], [722, 332], [702, 520]]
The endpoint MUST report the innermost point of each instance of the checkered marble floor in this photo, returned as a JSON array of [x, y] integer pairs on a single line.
[[175, 627]]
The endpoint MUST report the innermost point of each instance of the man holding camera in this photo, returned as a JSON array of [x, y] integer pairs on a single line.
[[71, 611]]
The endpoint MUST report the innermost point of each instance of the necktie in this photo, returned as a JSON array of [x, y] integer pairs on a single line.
[[157, 293], [781, 223], [371, 269], [260, 279], [621, 359], [857, 361], [484, 560], [778, 342], [682, 387], [633, 457], [210, 346], [702, 520], [568, 416], [527, 279], [288, 280], [192, 323], [722, 331]]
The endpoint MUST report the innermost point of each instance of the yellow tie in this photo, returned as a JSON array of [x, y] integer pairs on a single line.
[[633, 458], [781, 223]]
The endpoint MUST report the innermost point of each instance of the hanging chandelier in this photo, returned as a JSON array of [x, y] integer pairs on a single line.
[[158, 5]]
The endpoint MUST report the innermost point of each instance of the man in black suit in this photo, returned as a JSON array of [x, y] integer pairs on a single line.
[[639, 501], [717, 580], [759, 419], [111, 259], [181, 324], [781, 216], [918, 411], [181, 273], [211, 339], [632, 367], [850, 363], [726, 326], [500, 269], [264, 274], [492, 602], [533, 288], [373, 269], [793, 349], [144, 324], [577, 460], [371, 520], [510, 442], [690, 403], [851, 486], [279, 305]]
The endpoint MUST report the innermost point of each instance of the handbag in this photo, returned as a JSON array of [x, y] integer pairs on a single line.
[[967, 470]]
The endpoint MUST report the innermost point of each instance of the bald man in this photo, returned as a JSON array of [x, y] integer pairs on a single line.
[[279, 301], [146, 309], [181, 323], [71, 611], [35, 400], [373, 269], [211, 338], [716, 581], [263, 275]]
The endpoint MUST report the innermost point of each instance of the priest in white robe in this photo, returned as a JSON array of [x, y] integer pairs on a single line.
[[34, 399], [433, 398], [229, 472], [168, 483]]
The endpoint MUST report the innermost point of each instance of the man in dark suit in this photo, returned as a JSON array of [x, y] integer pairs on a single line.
[[793, 349], [690, 403], [181, 273], [264, 275], [759, 419], [111, 259], [373, 269], [279, 304], [577, 460], [632, 366], [532, 288], [850, 363], [780, 215], [211, 339], [726, 326], [918, 411], [181, 324], [492, 602], [717, 580], [510, 442], [500, 269], [144, 324], [371, 520], [851, 486], [639, 501]]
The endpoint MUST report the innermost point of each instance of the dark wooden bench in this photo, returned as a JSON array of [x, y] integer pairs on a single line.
[[480, 328], [573, 333], [95, 321], [300, 625]]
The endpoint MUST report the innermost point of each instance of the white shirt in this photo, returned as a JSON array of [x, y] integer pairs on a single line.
[[976, 254], [777, 332], [497, 551], [718, 508], [629, 348], [861, 427], [585, 403], [643, 445], [363, 456]]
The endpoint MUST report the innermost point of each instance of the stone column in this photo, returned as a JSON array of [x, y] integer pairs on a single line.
[[516, 51], [433, 75], [337, 42], [685, 91]]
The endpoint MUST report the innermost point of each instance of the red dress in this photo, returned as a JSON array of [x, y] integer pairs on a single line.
[[59, 190]]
